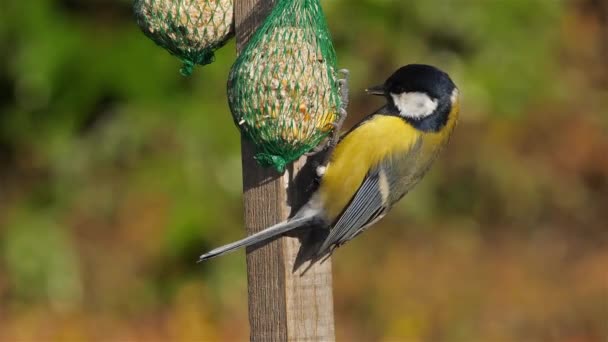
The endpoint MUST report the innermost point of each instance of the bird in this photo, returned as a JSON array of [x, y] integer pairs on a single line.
[[375, 163]]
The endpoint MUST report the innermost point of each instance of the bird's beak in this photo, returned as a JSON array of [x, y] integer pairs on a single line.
[[376, 90]]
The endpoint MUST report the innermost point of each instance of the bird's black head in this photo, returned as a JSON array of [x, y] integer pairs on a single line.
[[421, 94]]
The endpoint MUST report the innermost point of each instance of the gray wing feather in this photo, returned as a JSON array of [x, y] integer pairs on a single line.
[[366, 206], [369, 204]]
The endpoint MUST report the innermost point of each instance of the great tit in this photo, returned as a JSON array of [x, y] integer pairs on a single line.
[[377, 162]]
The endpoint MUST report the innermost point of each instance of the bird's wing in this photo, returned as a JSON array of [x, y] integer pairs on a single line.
[[367, 206], [357, 188]]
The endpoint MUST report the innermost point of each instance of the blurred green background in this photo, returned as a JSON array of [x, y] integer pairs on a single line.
[[116, 173]]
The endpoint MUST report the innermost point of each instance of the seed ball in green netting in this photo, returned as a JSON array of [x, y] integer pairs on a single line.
[[281, 96], [189, 29]]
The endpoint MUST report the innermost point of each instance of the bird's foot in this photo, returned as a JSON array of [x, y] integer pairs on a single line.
[[334, 136]]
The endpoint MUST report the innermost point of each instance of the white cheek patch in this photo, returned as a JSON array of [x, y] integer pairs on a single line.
[[415, 104]]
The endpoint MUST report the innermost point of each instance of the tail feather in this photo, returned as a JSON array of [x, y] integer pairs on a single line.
[[264, 235]]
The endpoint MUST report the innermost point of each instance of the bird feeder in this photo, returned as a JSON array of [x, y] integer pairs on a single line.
[[283, 89], [189, 29]]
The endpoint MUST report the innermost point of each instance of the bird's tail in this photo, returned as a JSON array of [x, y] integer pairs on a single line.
[[264, 235]]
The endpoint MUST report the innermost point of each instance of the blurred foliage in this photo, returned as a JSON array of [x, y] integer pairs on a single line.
[[116, 172]]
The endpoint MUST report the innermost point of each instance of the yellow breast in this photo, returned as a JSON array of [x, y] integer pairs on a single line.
[[368, 145], [358, 152]]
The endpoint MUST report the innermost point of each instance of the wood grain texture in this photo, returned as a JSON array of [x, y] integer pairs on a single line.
[[283, 305]]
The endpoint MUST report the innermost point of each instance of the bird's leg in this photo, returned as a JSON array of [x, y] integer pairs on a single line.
[[334, 137]]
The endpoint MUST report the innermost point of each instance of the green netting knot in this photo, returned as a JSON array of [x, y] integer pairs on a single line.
[[283, 89], [267, 160], [187, 68], [189, 29]]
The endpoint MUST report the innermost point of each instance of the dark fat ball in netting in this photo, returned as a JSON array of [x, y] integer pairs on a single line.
[[283, 89], [189, 29]]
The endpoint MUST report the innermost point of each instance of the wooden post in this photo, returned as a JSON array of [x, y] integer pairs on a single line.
[[283, 305]]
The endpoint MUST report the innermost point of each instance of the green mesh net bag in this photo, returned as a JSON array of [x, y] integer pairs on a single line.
[[283, 89], [189, 29]]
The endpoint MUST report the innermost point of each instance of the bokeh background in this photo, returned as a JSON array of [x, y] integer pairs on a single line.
[[116, 172]]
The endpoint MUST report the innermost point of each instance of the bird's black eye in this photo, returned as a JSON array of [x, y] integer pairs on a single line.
[[397, 89]]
